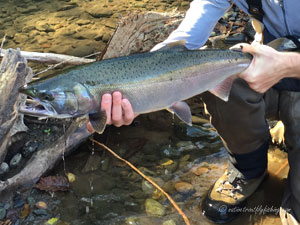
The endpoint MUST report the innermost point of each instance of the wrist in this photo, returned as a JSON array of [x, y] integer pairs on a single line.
[[292, 64]]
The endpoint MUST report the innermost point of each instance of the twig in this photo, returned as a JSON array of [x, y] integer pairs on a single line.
[[90, 55], [51, 58], [148, 179], [281, 168], [50, 67], [2, 43]]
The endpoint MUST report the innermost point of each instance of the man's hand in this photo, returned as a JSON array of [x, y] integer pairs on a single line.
[[118, 110], [267, 68]]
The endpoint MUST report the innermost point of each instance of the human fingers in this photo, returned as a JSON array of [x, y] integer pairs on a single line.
[[117, 113], [252, 49], [128, 114], [106, 103], [90, 128]]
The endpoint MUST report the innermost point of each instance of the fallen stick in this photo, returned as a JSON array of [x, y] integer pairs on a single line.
[[186, 220], [51, 58]]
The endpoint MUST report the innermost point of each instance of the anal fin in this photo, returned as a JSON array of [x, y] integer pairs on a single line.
[[182, 111], [223, 89]]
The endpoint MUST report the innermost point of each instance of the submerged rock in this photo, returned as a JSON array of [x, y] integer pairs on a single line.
[[29, 148], [148, 188], [15, 161], [4, 168], [184, 187], [93, 163], [169, 222], [2, 213], [131, 221], [186, 146], [154, 208]]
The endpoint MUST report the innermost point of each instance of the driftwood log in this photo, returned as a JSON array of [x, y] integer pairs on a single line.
[[140, 32], [13, 73], [136, 33]]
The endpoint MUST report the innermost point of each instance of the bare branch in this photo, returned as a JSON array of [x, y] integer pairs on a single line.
[[51, 58]]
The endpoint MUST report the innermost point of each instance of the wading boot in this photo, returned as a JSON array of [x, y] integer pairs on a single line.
[[227, 196]]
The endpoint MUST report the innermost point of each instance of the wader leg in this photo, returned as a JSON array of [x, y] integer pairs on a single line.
[[290, 116], [242, 125], [240, 121]]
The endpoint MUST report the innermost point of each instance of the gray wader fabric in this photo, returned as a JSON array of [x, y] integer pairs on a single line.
[[289, 105]]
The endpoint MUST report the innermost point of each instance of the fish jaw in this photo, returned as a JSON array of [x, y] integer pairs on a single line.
[[48, 103]]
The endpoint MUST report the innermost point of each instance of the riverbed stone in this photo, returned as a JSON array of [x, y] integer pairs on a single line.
[[154, 208], [15, 161], [67, 6], [26, 10], [44, 26], [2, 213], [99, 11], [148, 188], [29, 148], [93, 163], [4, 168], [186, 146], [20, 38], [184, 187], [169, 222], [40, 212], [200, 170]]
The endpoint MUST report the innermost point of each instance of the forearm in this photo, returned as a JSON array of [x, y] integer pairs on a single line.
[[198, 23]]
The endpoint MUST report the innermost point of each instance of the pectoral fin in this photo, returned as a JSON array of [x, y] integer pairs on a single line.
[[98, 121], [182, 111], [223, 89]]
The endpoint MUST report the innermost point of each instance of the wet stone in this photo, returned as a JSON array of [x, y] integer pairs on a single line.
[[186, 146], [67, 6], [41, 205], [40, 212], [4, 168], [29, 148], [18, 201], [169, 222], [15, 161], [148, 188], [170, 152], [2, 213], [154, 208], [131, 221], [105, 164], [93, 163], [200, 171], [98, 11], [184, 187]]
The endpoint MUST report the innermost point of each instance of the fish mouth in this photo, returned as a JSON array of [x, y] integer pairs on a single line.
[[35, 108]]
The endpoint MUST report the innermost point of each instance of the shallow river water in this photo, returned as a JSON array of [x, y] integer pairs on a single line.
[[183, 160]]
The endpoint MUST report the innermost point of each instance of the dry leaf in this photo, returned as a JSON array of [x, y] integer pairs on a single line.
[[25, 212], [53, 183]]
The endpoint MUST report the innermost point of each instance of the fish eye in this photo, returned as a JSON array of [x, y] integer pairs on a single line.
[[46, 97]]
